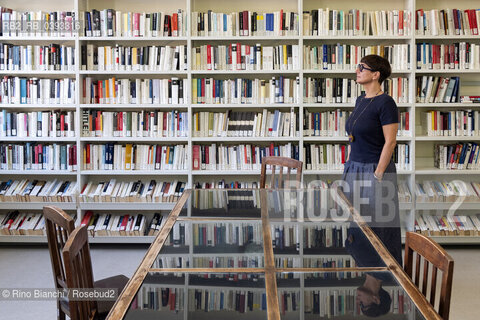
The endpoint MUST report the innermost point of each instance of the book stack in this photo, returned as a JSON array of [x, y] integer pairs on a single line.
[[325, 156], [16, 90], [168, 262], [447, 22], [237, 56], [53, 57], [28, 190], [348, 56], [38, 156], [114, 225], [38, 23], [152, 124], [245, 91], [447, 191], [37, 124], [267, 123], [432, 89], [240, 157], [244, 23], [470, 99], [132, 191], [134, 91], [242, 300], [112, 156], [404, 194], [356, 22], [16, 223], [455, 56], [180, 235], [115, 23], [325, 124], [158, 298], [125, 58], [459, 156], [449, 225], [455, 123]]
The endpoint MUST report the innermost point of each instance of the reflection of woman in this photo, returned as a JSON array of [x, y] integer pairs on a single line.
[[372, 129], [374, 301]]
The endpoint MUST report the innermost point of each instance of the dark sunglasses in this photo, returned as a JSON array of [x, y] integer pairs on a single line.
[[361, 67]]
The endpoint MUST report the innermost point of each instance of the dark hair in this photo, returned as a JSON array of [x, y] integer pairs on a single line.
[[379, 64], [376, 310]]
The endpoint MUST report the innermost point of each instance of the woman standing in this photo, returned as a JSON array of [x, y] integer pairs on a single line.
[[372, 130]]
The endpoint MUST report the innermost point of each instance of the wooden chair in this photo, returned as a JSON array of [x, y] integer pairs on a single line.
[[281, 162], [59, 226], [79, 274], [434, 254]]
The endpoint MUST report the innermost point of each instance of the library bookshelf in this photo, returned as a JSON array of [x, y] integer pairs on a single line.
[[421, 146]]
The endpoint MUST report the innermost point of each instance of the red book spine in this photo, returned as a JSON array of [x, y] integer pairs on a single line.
[[245, 24], [207, 158], [400, 22], [196, 157], [209, 57], [74, 157], [407, 121], [239, 57]]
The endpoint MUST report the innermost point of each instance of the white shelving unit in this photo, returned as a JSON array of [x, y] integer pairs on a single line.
[[421, 154]]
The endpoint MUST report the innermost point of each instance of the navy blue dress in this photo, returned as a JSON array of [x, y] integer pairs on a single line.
[[382, 210]]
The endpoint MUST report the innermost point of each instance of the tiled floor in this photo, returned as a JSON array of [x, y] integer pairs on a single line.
[[29, 267]]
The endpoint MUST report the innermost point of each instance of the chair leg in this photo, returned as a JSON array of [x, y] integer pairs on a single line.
[[61, 314]]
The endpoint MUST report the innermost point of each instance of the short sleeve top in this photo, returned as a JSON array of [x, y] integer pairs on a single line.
[[372, 114]]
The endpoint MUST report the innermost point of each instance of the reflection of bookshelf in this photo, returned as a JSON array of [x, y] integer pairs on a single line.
[[421, 148]]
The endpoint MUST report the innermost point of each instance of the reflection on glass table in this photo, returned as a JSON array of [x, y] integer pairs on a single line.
[[321, 296], [199, 296]]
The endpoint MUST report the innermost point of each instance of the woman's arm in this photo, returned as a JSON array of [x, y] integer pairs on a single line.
[[390, 134]]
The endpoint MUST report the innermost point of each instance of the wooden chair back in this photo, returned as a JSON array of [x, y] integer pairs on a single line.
[[59, 226], [281, 162], [431, 253], [79, 273]]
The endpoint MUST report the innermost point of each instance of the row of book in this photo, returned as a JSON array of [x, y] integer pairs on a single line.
[[437, 89], [15, 223], [469, 99], [347, 56], [449, 22], [154, 297], [238, 157], [246, 124], [456, 123], [324, 156], [447, 191], [242, 90], [238, 56], [244, 23], [228, 233], [53, 57], [285, 237], [38, 156], [331, 262], [241, 301], [134, 91], [340, 302], [325, 124], [345, 90], [17, 90], [356, 22], [459, 156], [33, 190], [111, 156], [38, 23], [126, 58], [115, 23], [454, 56], [107, 224], [449, 225], [325, 236], [115, 190], [222, 184], [250, 261], [153, 124], [37, 124]]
